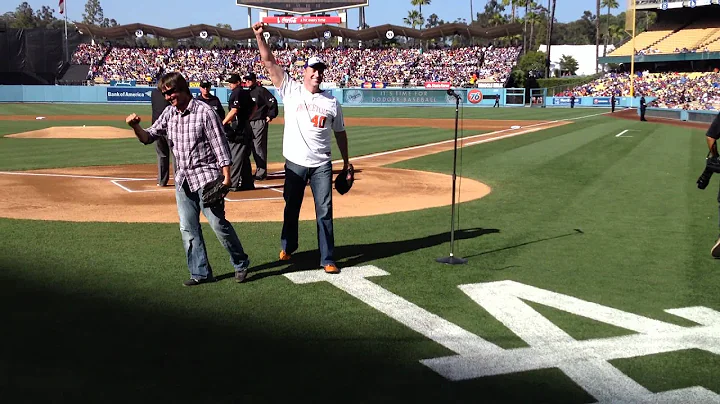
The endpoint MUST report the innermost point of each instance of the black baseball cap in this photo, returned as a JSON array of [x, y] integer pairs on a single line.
[[205, 84], [234, 78], [250, 76]]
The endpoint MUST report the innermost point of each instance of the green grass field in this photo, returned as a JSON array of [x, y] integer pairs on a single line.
[[95, 312]]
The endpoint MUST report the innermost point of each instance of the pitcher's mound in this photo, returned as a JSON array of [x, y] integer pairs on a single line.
[[77, 132]]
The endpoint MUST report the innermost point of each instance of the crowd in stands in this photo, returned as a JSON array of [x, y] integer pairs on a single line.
[[87, 54], [693, 91], [346, 66]]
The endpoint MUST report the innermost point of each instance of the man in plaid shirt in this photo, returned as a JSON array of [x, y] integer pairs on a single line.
[[194, 132]]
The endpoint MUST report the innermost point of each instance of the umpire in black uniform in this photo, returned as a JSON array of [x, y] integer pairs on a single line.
[[267, 110], [643, 107], [158, 102], [237, 128], [211, 100]]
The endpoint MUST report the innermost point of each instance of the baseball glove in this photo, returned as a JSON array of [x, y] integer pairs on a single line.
[[213, 193], [344, 180], [713, 164]]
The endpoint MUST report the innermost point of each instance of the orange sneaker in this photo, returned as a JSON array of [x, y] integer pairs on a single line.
[[331, 269], [284, 256]]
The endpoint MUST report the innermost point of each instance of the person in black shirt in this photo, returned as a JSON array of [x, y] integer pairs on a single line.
[[211, 100], [643, 106], [712, 135], [267, 110], [240, 108], [572, 100], [612, 103], [158, 102]]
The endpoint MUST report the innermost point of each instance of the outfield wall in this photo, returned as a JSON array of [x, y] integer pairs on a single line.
[[348, 96], [409, 97], [620, 102]]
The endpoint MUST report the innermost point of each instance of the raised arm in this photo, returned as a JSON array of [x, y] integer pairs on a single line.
[[276, 72]]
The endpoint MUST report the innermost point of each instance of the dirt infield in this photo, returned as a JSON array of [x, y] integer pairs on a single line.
[[128, 193], [473, 124], [631, 114], [76, 132]]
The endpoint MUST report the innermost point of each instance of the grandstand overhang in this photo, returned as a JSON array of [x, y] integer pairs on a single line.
[[445, 30], [675, 57]]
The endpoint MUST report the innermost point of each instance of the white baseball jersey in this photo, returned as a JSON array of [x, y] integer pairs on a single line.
[[310, 119]]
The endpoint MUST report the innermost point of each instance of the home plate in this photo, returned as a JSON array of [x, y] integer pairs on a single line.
[[515, 127]]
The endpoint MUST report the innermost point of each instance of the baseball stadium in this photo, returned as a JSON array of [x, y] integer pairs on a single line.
[[587, 274]]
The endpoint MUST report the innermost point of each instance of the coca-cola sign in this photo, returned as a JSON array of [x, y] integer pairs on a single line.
[[302, 20]]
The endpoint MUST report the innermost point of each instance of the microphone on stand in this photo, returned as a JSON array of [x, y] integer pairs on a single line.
[[453, 93], [452, 259]]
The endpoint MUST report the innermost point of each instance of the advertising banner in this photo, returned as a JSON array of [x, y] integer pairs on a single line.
[[437, 85], [128, 83], [601, 101], [302, 20], [566, 101], [129, 94], [393, 96], [138, 94]]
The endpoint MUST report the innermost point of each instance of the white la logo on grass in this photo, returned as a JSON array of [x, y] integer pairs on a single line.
[[585, 362]]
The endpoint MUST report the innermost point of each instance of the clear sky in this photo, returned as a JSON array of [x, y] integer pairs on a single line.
[[179, 13]]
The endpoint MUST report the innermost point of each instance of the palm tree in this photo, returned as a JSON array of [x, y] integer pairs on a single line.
[[609, 4], [413, 20], [420, 3], [617, 33], [497, 19], [552, 4], [533, 18], [513, 4], [432, 21], [597, 34], [526, 3]]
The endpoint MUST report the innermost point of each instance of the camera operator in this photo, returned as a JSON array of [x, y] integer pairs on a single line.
[[712, 136]]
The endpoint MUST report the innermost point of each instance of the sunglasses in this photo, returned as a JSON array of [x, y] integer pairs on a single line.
[[169, 91]]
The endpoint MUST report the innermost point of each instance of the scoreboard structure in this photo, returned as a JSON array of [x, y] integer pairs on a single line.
[[302, 6]]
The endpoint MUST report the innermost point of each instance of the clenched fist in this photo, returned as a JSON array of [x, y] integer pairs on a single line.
[[258, 28], [132, 119]]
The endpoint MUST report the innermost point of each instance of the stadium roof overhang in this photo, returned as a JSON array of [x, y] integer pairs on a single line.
[[378, 32], [666, 57]]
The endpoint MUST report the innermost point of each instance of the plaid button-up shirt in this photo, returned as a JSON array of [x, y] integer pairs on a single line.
[[197, 141]]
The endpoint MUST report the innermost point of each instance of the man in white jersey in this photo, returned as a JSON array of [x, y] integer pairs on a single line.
[[310, 115]]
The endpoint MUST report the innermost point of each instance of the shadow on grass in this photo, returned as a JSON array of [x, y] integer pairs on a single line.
[[576, 232], [358, 254], [67, 338]]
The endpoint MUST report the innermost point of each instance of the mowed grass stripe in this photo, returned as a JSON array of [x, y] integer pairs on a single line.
[[24, 154], [445, 112]]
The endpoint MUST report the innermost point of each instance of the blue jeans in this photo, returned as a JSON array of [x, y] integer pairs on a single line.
[[189, 206], [296, 178]]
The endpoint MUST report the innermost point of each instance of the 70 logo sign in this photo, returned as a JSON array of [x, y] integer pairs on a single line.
[[474, 96]]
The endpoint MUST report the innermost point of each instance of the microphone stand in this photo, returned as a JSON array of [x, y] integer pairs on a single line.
[[452, 259]]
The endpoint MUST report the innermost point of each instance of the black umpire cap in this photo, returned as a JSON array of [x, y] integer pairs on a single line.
[[250, 76], [206, 84], [234, 78]]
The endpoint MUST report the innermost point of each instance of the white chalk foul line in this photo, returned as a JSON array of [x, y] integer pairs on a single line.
[[92, 177], [465, 139], [116, 180], [274, 198], [121, 186]]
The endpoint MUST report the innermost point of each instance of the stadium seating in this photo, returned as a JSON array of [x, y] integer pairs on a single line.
[[694, 91], [346, 66]]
